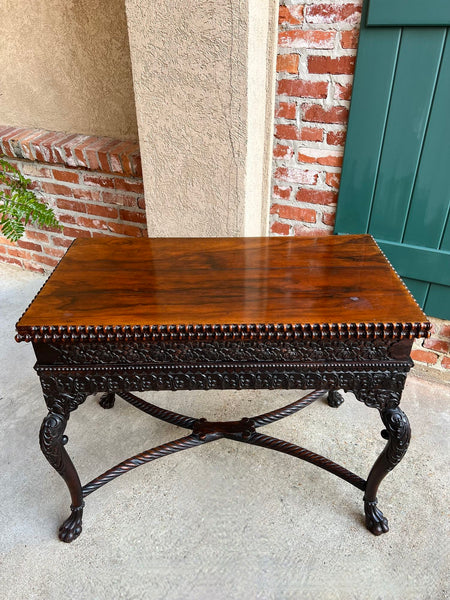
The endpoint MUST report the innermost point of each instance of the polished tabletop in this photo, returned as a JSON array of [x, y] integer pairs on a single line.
[[189, 281]]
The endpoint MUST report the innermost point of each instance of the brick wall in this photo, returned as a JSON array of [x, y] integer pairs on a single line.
[[316, 58], [317, 45], [94, 184], [434, 351]]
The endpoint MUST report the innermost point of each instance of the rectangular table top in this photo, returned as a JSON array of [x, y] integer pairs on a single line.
[[124, 282]]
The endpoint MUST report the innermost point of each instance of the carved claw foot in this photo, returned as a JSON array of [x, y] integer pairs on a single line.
[[335, 399], [71, 528], [376, 522], [107, 400]]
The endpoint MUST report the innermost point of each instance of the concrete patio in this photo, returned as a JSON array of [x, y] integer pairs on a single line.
[[205, 524]]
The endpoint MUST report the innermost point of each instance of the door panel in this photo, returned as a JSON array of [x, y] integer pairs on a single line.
[[396, 172], [408, 12]]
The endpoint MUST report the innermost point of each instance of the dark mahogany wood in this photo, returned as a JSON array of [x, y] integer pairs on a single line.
[[122, 315], [122, 283]]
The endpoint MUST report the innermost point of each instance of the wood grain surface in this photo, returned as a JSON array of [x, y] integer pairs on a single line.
[[181, 281]]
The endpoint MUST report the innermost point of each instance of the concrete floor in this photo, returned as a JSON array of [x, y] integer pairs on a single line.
[[204, 524]]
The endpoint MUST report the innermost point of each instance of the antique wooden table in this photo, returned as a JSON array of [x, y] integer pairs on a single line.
[[125, 315]]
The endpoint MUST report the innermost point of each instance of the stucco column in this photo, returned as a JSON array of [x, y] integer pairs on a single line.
[[203, 74]]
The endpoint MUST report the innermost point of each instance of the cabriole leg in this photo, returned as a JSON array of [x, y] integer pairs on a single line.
[[52, 440], [398, 434]]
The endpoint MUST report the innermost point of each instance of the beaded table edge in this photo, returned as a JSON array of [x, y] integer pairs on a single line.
[[276, 331]]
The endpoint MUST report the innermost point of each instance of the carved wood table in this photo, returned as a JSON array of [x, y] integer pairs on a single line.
[[124, 315]]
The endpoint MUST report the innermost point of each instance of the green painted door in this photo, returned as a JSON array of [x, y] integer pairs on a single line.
[[396, 173]]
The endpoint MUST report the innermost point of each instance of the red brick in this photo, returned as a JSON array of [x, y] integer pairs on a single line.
[[303, 89], [336, 138], [129, 185], [285, 110], [437, 345], [316, 196], [92, 223], [7, 149], [34, 170], [58, 151], [71, 205], [296, 175], [288, 63], [298, 38], [287, 132], [446, 362], [61, 241], [291, 132], [47, 260], [19, 253], [280, 228], [122, 199], [118, 156], [69, 219], [122, 229], [136, 165], [55, 252], [92, 149], [328, 218], [69, 148], [37, 235], [99, 180], [4, 132], [311, 155], [103, 154], [424, 356], [75, 233], [333, 179], [29, 245], [311, 134], [294, 213], [46, 146], [333, 13], [68, 176], [334, 66], [141, 203], [283, 152], [56, 189], [26, 144], [81, 194], [31, 266], [281, 192], [79, 154], [343, 92], [12, 261], [318, 114], [15, 143], [134, 216], [445, 331], [349, 39], [304, 231], [290, 15], [102, 211]]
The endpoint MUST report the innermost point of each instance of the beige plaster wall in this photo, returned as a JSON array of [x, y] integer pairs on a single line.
[[191, 78], [65, 66]]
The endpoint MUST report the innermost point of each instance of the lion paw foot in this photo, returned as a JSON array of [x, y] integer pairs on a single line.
[[335, 399], [376, 522], [71, 528], [107, 400]]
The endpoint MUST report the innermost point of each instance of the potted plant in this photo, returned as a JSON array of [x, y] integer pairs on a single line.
[[19, 205]]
